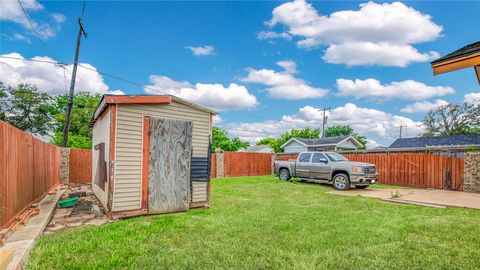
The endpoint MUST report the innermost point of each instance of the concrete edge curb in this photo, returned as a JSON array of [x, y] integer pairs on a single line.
[[23, 241]]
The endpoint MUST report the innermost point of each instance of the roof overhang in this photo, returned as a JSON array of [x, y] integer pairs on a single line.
[[472, 60], [289, 141], [109, 100], [355, 141]]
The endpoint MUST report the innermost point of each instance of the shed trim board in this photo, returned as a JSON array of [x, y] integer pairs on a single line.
[[145, 158], [128, 189]]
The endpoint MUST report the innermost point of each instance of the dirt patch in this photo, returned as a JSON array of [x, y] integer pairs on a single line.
[[87, 212]]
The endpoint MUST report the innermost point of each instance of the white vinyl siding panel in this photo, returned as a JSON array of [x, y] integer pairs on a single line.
[[200, 191], [129, 145], [294, 147], [101, 134]]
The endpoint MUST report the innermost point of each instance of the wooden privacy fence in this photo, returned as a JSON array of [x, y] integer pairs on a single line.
[[233, 164], [213, 166], [80, 166], [416, 170], [29, 168]]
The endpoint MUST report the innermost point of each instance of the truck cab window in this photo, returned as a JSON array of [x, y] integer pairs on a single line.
[[305, 157], [317, 157]]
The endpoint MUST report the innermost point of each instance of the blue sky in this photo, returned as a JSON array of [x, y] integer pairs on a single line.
[[265, 66]]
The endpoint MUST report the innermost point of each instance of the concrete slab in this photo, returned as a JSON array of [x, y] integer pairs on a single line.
[[22, 241], [419, 196]]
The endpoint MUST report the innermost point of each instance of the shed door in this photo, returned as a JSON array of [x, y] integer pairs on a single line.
[[169, 165]]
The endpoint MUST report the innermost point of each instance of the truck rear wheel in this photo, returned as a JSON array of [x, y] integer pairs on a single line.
[[341, 182], [284, 175]]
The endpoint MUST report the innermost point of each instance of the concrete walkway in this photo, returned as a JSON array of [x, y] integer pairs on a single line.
[[427, 197], [22, 241]]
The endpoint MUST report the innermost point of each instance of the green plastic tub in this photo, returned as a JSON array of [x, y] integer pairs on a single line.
[[70, 202]]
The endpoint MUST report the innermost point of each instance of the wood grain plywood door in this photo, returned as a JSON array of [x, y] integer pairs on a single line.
[[169, 165]]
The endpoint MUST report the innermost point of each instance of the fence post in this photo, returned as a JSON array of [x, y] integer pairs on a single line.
[[274, 157], [471, 175], [65, 165], [220, 163]]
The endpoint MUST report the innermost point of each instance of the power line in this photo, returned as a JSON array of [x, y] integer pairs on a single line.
[[165, 93], [32, 60], [83, 9], [28, 19], [160, 91]]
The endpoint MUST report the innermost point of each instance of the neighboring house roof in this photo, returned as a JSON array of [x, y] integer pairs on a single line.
[[108, 100], [329, 141], [464, 51], [454, 140]]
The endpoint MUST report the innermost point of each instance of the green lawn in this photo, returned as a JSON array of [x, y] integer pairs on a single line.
[[263, 223]]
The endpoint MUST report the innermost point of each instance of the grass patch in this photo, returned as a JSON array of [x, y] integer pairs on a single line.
[[263, 223]]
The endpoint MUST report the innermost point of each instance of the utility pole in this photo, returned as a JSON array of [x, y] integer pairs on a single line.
[[401, 127], [324, 121], [66, 126]]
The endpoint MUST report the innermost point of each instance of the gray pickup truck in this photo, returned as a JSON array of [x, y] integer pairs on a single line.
[[327, 167]]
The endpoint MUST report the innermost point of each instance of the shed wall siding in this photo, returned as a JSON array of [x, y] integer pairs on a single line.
[[101, 134], [128, 167], [199, 191]]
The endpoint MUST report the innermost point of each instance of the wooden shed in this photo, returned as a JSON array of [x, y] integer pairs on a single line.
[[151, 154]]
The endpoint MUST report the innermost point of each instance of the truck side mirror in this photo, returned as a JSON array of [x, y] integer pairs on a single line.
[[323, 160]]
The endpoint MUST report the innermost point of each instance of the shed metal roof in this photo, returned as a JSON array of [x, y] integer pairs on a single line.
[[107, 100]]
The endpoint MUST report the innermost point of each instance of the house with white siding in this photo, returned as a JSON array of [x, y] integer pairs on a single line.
[[297, 145], [151, 154]]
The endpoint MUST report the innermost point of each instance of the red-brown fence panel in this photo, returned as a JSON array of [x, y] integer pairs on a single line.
[[415, 170], [246, 164], [29, 168], [213, 166], [80, 166]]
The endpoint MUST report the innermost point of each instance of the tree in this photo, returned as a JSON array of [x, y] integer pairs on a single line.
[[452, 119], [80, 134], [345, 130], [26, 108], [220, 140], [272, 142]]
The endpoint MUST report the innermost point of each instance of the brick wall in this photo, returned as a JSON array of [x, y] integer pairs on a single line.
[[472, 172]]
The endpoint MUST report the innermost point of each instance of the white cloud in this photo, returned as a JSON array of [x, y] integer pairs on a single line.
[[283, 84], [473, 98], [408, 90], [49, 77], [382, 54], [202, 50], [216, 96], [289, 66], [423, 106], [58, 18], [373, 28], [273, 35], [11, 11], [380, 128], [217, 119]]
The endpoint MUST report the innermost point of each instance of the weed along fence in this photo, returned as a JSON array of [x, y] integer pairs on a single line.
[[233, 164], [29, 169]]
